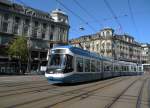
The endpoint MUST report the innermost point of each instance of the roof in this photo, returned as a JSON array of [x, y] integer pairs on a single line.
[[86, 53], [59, 11], [6, 2]]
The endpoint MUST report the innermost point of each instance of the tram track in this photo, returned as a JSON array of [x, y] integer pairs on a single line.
[[139, 97], [84, 95], [3, 90], [81, 92], [27, 90], [19, 83], [148, 89]]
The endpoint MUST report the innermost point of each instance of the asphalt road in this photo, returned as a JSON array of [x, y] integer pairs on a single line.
[[36, 92]]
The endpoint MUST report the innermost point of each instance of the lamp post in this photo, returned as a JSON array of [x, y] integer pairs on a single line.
[[29, 56], [29, 44]]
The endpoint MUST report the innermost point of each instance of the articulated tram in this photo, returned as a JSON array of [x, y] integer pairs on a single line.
[[68, 64]]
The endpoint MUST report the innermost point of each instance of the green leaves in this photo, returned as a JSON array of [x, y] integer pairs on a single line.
[[18, 48]]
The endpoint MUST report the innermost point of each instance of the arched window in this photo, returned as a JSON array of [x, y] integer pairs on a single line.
[[107, 33], [108, 45]]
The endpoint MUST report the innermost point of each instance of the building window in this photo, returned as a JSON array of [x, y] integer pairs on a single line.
[[51, 36], [34, 33], [17, 20], [44, 25], [43, 35], [61, 34], [26, 27], [6, 17], [51, 45], [35, 29], [5, 23], [5, 27], [107, 33], [52, 27], [16, 29], [16, 25], [108, 46], [27, 22], [97, 47], [36, 24], [25, 30]]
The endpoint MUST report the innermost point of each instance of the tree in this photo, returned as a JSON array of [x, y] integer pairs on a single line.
[[18, 49]]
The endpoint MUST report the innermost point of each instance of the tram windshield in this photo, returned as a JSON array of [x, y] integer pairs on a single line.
[[60, 63], [57, 60]]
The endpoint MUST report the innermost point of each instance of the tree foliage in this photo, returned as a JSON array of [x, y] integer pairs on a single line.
[[19, 49]]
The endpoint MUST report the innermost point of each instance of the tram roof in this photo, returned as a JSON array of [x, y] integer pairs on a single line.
[[83, 52]]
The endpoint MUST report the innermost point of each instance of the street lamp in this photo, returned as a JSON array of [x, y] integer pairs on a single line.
[[29, 43]]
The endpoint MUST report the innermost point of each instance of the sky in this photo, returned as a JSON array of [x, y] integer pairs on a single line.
[[130, 17]]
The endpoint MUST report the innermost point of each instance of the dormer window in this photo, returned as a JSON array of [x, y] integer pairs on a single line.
[[107, 33]]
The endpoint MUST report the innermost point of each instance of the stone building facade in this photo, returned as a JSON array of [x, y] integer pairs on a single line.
[[106, 43], [43, 31], [145, 53]]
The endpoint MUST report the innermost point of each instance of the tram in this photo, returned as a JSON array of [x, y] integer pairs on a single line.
[[68, 64]]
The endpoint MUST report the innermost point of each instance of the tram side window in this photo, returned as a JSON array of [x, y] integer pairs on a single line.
[[79, 64], [98, 68], [134, 68], [115, 68], [140, 68], [107, 67], [87, 65], [120, 68], [123, 68], [69, 63], [93, 68], [127, 68]]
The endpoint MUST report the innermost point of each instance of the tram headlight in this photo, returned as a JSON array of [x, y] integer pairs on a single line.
[[51, 72]]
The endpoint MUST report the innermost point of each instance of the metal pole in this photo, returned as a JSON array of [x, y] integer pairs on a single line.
[[29, 46]]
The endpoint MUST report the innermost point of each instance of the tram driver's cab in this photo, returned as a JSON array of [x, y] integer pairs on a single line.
[[59, 62]]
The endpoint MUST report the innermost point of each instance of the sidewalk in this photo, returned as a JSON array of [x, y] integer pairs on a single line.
[[22, 78]]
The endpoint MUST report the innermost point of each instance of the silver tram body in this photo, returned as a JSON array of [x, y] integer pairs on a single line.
[[68, 64]]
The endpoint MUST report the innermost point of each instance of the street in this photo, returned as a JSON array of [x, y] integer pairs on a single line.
[[35, 91]]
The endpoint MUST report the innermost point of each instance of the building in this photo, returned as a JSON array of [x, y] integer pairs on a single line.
[[146, 53], [43, 31], [106, 43]]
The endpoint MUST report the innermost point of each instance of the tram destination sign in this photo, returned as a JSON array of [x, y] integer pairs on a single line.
[[59, 51]]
